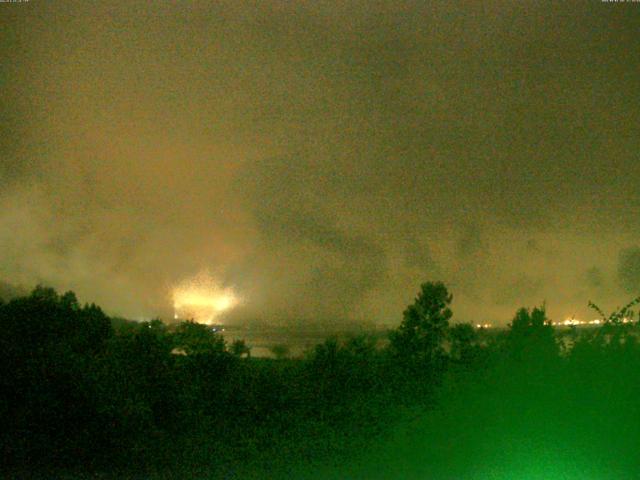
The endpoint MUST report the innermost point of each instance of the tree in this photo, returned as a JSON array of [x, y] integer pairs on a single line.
[[621, 315], [195, 338], [280, 351], [239, 348], [49, 352], [69, 301], [423, 330], [531, 335], [464, 342]]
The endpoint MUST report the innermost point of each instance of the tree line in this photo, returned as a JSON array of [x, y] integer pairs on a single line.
[[84, 392]]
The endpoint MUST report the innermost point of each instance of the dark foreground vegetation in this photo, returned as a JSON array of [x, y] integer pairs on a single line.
[[84, 395]]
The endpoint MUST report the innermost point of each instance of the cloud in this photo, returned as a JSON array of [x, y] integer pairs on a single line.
[[322, 158], [417, 254], [594, 277], [469, 242], [328, 268], [9, 291], [523, 290], [629, 270]]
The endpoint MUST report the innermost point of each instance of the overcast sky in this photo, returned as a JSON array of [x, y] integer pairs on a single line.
[[323, 158]]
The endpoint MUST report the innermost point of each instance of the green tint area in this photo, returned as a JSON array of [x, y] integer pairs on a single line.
[[86, 394]]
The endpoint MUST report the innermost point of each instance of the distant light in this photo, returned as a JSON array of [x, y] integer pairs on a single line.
[[202, 299], [572, 322]]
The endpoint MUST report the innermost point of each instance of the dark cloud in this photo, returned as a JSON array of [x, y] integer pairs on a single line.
[[523, 290], [417, 254], [469, 242], [629, 270], [594, 277], [287, 199]]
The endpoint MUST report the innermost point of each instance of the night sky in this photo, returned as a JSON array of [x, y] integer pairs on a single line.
[[323, 158]]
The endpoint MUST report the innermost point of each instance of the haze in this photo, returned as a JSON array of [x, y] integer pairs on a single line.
[[322, 159]]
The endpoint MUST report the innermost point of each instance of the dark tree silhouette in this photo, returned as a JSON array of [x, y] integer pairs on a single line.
[[531, 335], [463, 339], [423, 330], [147, 397], [49, 346], [239, 348], [195, 338], [280, 351]]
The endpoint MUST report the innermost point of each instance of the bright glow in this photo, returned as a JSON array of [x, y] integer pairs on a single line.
[[202, 298], [575, 322]]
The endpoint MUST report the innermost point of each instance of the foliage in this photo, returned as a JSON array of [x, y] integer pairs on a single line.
[[464, 342], [617, 316], [240, 348], [436, 401], [420, 336], [531, 335], [197, 339], [280, 351]]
